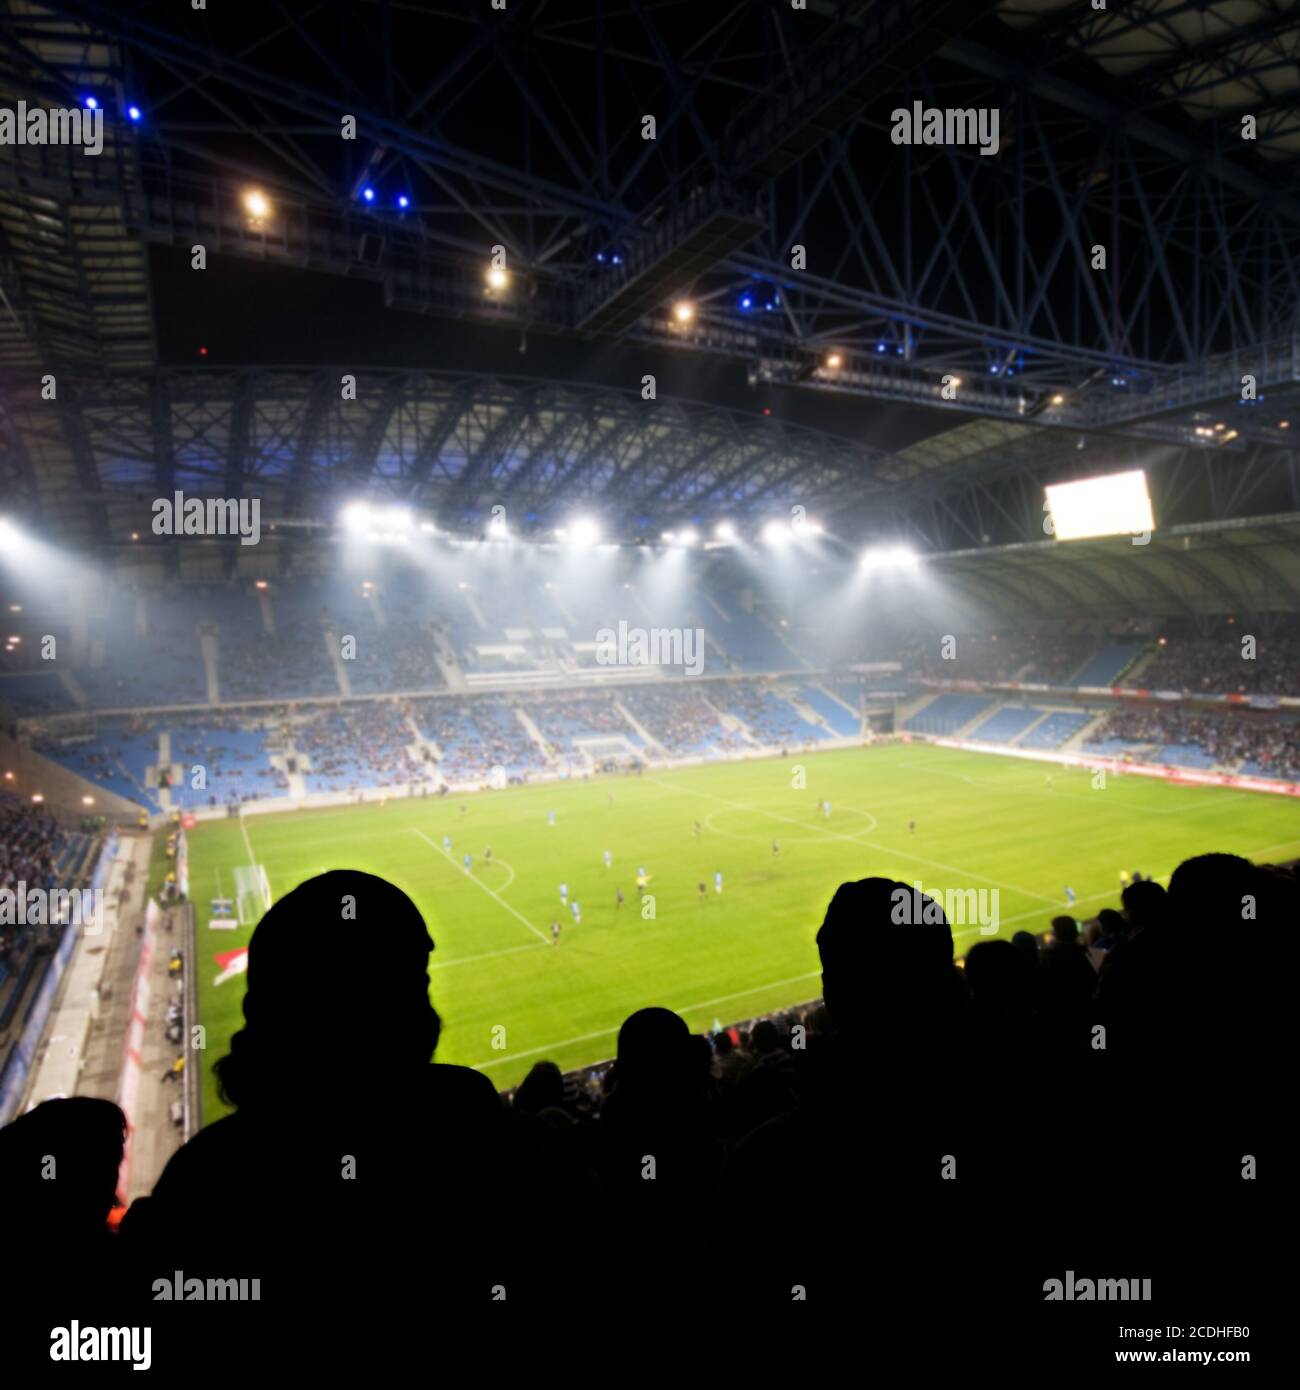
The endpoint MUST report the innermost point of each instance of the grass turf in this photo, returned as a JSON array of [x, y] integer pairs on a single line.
[[983, 822]]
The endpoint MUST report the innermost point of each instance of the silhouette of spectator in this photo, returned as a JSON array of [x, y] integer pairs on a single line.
[[541, 1089], [877, 1110], [658, 1105], [346, 1143], [58, 1171]]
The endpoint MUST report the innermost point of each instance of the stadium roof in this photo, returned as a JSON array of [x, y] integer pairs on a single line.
[[523, 129], [1185, 572]]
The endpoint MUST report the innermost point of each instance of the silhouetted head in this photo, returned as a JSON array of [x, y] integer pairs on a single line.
[[999, 976], [58, 1167], [541, 1088], [1027, 944], [883, 946], [1065, 931], [1146, 903], [1207, 892], [654, 1052], [766, 1037], [338, 995], [1114, 925]]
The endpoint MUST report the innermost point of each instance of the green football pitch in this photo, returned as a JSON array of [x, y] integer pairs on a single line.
[[982, 823]]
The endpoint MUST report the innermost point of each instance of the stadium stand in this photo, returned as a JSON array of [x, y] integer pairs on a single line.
[[1266, 744], [1006, 725], [1058, 728], [945, 714], [1222, 666], [843, 723], [1108, 665]]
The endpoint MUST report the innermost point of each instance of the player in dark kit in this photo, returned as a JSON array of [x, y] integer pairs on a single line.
[[704, 892], [555, 933]]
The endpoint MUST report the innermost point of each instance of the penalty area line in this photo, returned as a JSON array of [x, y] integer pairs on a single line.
[[519, 916]]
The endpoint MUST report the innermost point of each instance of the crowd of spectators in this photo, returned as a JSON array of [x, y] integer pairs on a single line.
[[1226, 666], [292, 662], [1270, 742], [475, 737], [233, 755], [678, 719], [30, 841], [1038, 659], [845, 1149], [561, 717], [366, 744]]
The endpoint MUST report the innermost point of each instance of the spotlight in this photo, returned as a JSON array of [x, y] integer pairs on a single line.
[[90, 103], [724, 531], [668, 537], [368, 194], [890, 557], [774, 533], [497, 529], [1058, 399], [497, 279], [583, 532], [133, 113], [687, 537], [355, 516], [834, 361], [1284, 424], [403, 201], [256, 204], [684, 311]]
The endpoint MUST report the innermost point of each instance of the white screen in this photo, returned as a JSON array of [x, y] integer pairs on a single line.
[[1117, 505]]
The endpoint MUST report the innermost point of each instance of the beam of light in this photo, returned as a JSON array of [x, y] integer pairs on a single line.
[[890, 557]]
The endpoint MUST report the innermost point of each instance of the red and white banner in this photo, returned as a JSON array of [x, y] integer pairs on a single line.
[[128, 1091]]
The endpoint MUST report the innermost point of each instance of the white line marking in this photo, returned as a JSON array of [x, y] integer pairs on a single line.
[[486, 955], [1253, 855], [606, 1032], [519, 916], [252, 860], [857, 840]]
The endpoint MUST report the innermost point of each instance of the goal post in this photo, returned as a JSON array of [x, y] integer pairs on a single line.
[[252, 894]]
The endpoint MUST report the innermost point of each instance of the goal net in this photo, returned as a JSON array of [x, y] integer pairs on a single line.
[[252, 894]]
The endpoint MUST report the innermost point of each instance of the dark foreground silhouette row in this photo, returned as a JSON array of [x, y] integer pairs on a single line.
[[930, 1133]]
